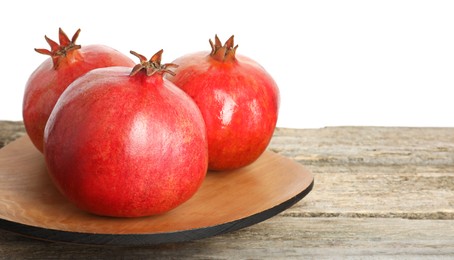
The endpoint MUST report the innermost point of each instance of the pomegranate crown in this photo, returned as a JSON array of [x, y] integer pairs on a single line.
[[224, 52], [153, 65], [58, 51]]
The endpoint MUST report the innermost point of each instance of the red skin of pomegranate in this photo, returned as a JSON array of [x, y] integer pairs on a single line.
[[239, 102], [48, 82], [126, 146]]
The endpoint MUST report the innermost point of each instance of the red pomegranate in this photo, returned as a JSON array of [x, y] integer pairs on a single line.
[[67, 62], [238, 99], [126, 143]]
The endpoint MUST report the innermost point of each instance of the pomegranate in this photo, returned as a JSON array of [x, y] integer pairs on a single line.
[[67, 62], [238, 99], [126, 143]]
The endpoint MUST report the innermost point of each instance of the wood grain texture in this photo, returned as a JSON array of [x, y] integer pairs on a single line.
[[379, 193], [10, 131], [375, 171]]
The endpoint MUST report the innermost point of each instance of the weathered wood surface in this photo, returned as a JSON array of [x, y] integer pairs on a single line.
[[379, 192]]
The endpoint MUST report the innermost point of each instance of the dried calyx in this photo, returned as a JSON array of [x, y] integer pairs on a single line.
[[58, 51], [224, 52], [153, 65]]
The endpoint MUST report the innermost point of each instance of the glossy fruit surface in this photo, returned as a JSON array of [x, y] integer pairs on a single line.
[[126, 143], [68, 61], [239, 101]]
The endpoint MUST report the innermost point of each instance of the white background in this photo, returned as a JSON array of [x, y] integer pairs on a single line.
[[388, 63]]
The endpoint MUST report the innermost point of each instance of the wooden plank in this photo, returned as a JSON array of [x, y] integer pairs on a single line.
[[366, 192], [375, 171], [277, 238], [367, 146]]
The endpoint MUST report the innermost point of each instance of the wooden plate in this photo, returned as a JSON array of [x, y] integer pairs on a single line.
[[30, 204]]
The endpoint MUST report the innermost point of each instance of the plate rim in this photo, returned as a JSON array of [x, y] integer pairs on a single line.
[[142, 239]]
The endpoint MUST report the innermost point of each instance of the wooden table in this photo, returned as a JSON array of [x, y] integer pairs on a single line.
[[386, 192]]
